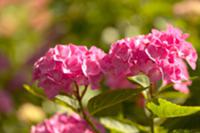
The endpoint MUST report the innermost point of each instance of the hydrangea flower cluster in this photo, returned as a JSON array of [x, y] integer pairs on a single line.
[[65, 64], [63, 123], [160, 55], [169, 49]]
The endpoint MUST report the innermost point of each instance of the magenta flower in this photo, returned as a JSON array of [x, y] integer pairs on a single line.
[[172, 44], [127, 57], [91, 66], [6, 103], [65, 64], [169, 49], [160, 55], [63, 123]]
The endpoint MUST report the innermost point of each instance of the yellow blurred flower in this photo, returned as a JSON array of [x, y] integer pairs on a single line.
[[109, 35], [187, 7], [30, 113], [8, 24]]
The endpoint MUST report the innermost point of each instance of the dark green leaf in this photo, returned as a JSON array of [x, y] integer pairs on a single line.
[[110, 98]]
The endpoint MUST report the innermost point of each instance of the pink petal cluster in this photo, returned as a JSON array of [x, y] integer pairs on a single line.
[[65, 64], [169, 50], [127, 57], [63, 123], [160, 55]]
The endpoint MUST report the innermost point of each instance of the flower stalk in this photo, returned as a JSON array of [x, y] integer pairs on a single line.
[[79, 98], [148, 97]]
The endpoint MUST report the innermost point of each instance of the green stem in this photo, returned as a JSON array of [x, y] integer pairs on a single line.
[[148, 97], [151, 93], [84, 91], [150, 118], [79, 98], [152, 124]]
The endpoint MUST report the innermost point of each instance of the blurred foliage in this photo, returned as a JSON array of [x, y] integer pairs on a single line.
[[29, 28]]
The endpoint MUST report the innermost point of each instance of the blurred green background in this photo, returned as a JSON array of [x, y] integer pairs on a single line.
[[29, 27]]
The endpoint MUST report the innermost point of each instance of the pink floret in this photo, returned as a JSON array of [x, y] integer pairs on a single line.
[[63, 123], [127, 57]]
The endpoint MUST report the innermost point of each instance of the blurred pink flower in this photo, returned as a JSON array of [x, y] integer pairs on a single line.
[[17, 80], [41, 18], [41, 21], [4, 3], [65, 64], [63, 123], [4, 63], [6, 104]]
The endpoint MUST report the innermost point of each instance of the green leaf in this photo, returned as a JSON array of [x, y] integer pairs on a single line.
[[174, 96], [112, 111], [141, 80], [33, 91], [183, 131], [67, 101], [118, 126], [166, 109], [110, 98], [171, 84]]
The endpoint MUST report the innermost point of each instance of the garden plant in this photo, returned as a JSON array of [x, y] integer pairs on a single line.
[[136, 71]]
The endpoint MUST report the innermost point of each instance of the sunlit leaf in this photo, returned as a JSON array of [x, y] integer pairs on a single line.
[[63, 100], [166, 109], [33, 91], [67, 101], [140, 79], [118, 126], [175, 96]]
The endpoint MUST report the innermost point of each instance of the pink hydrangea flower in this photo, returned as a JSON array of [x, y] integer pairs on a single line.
[[160, 55], [65, 64], [127, 57], [169, 49], [63, 123]]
